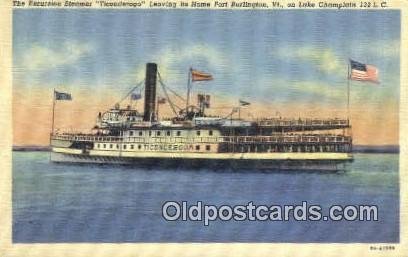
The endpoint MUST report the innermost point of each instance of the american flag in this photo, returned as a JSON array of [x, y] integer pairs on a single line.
[[363, 72]]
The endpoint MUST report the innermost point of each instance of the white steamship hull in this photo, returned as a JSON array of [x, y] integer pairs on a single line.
[[265, 161]]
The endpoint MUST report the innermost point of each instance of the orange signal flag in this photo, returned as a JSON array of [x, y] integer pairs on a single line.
[[200, 76]]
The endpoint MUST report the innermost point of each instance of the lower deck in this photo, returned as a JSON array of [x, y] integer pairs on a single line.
[[300, 162], [209, 155]]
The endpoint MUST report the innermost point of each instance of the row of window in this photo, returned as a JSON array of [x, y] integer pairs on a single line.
[[207, 147], [289, 149], [111, 146], [167, 133]]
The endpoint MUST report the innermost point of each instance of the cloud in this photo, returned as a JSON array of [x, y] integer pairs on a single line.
[[380, 49], [175, 61], [325, 59], [319, 89], [299, 91], [41, 58], [389, 48], [199, 56]]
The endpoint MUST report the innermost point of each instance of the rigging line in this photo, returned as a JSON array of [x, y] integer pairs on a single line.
[[167, 88], [171, 90], [168, 99], [175, 105], [175, 93], [178, 107], [133, 103], [229, 115], [167, 96], [133, 89]]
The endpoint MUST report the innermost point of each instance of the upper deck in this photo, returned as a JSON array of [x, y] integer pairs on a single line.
[[303, 124], [270, 124]]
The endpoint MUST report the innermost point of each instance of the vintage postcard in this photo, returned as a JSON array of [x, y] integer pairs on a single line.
[[216, 128]]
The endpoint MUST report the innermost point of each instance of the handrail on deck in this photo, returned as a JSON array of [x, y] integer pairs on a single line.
[[214, 139], [303, 122]]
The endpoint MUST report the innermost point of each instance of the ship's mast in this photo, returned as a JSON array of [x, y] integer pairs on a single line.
[[53, 111], [188, 87], [348, 92], [349, 130]]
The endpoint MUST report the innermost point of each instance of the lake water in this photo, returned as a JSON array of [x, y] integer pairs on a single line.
[[88, 203]]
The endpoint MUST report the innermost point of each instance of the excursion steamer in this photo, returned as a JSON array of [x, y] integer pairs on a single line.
[[194, 139]]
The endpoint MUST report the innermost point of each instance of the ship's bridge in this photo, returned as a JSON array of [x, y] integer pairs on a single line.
[[208, 121], [117, 117]]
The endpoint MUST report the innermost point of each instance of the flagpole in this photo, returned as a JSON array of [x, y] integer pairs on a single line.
[[52, 125], [188, 89], [348, 92], [53, 112], [239, 113]]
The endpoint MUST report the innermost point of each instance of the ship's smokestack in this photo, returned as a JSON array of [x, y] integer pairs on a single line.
[[150, 92]]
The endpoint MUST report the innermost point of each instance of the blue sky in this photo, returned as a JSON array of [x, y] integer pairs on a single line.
[[268, 56]]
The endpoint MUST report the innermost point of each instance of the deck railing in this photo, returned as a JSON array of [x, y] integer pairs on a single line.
[[213, 139], [303, 123]]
